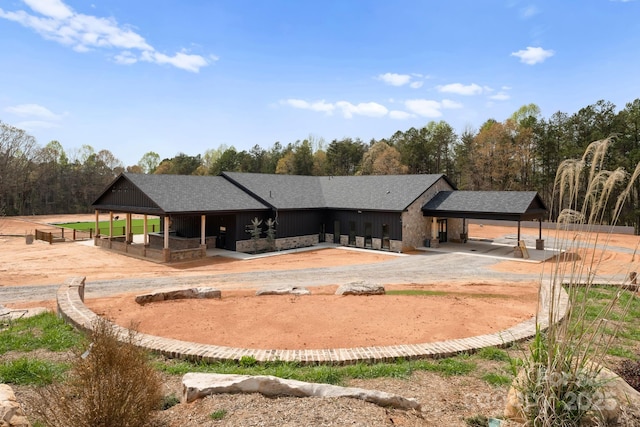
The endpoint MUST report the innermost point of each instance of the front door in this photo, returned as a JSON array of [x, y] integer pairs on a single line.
[[442, 230]]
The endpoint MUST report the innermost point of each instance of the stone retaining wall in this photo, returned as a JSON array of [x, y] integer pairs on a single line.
[[71, 307]]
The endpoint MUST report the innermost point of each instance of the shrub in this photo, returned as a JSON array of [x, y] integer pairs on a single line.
[[112, 384]]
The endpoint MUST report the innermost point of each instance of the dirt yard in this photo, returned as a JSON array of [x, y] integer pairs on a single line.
[[285, 322], [460, 311]]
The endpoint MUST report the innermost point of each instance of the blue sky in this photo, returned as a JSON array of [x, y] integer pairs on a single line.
[[185, 76]]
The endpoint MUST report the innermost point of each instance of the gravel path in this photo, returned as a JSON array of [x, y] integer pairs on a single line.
[[425, 268]]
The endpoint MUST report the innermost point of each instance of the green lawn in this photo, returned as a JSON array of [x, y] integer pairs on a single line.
[[137, 226]]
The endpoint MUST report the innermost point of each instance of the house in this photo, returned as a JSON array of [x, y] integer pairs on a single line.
[[383, 212]]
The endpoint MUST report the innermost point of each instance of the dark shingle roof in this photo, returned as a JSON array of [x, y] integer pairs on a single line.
[[184, 193], [486, 204], [281, 191], [375, 192], [371, 192]]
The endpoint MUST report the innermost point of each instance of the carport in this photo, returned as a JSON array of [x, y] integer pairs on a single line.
[[494, 205]]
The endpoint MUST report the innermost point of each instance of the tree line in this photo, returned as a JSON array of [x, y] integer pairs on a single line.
[[522, 152]]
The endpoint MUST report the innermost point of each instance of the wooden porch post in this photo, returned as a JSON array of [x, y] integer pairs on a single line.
[[518, 231], [128, 237], [166, 232], [203, 230], [97, 226], [145, 231], [110, 225]]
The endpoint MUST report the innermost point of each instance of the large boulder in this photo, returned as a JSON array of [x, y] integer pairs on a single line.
[[197, 385], [178, 293], [283, 290], [11, 413], [360, 288]]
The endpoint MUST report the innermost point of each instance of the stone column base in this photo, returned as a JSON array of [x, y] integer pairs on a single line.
[[517, 252], [539, 244]]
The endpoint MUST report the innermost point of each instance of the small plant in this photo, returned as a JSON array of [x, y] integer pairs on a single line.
[[248, 361], [169, 401], [111, 384], [255, 230], [218, 415], [477, 421], [271, 234]]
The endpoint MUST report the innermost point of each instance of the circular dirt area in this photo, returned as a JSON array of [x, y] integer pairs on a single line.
[[323, 320]]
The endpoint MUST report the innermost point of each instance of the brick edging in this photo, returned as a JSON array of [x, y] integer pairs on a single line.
[[71, 307]]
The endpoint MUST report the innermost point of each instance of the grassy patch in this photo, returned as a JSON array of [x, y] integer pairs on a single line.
[[329, 374], [45, 331], [218, 415], [137, 225], [25, 371], [496, 379], [493, 353], [622, 352]]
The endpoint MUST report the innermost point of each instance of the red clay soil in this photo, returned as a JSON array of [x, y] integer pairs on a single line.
[[325, 320]]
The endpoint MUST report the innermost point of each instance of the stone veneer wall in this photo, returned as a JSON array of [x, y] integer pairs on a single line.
[[71, 307], [415, 226], [154, 254], [249, 246], [157, 240]]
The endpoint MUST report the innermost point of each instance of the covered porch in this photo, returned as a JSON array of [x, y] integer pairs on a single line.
[[515, 206], [162, 246]]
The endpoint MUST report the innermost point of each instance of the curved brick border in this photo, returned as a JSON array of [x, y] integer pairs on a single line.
[[71, 307]]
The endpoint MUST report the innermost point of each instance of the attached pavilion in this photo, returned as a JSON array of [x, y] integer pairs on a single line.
[[493, 205]]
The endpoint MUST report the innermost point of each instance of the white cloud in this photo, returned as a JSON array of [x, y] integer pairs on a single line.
[[56, 21], [451, 105], [400, 115], [394, 79], [319, 106], [424, 107], [460, 89], [179, 60], [500, 96], [52, 8], [533, 55], [370, 109], [33, 110]]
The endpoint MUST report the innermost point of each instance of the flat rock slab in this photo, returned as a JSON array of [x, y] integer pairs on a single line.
[[360, 288], [197, 385], [11, 413], [179, 293], [283, 290]]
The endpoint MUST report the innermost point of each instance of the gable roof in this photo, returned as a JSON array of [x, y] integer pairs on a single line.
[[370, 192], [505, 205], [166, 194]]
